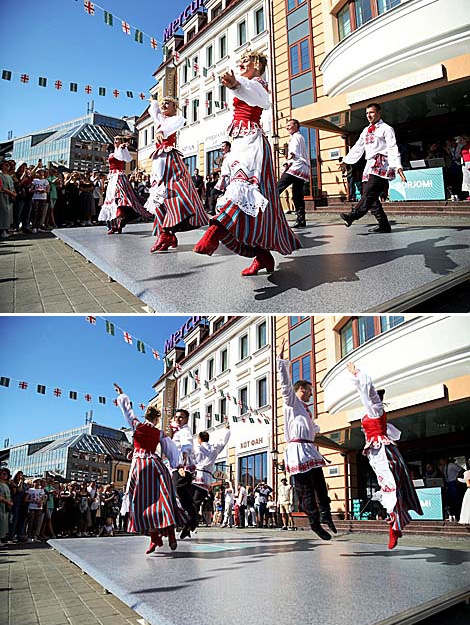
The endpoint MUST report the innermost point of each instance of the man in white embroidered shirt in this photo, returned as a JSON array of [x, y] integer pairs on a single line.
[[303, 460], [297, 171], [382, 161]]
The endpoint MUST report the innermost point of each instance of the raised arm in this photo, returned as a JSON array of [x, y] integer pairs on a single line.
[[369, 397], [126, 408], [287, 389], [122, 154]]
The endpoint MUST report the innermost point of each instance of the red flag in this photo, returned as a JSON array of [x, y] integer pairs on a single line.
[[116, 93], [57, 392], [142, 96], [24, 78], [88, 397], [88, 89], [91, 319], [23, 385], [156, 355], [89, 7], [126, 28], [127, 338], [58, 84], [115, 402], [176, 56], [142, 406], [153, 43]]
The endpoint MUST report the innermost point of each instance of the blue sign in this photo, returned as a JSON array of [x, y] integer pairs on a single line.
[[431, 503], [421, 184]]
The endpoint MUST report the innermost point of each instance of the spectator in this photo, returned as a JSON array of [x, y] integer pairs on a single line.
[[94, 500], [40, 189], [67, 499], [271, 510], [285, 504], [207, 507], [123, 509], [228, 508], [241, 501], [71, 196], [465, 510], [217, 509], [22, 204], [19, 492], [465, 156], [198, 183], [452, 471], [251, 520], [46, 530], [7, 197], [6, 504], [36, 497], [87, 202], [264, 491], [53, 180], [108, 528]]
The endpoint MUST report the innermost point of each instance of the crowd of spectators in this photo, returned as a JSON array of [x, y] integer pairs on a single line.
[[39, 509]]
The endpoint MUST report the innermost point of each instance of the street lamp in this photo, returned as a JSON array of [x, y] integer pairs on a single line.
[[279, 466], [279, 150]]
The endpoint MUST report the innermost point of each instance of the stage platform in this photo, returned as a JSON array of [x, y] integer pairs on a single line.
[[338, 270], [238, 576]]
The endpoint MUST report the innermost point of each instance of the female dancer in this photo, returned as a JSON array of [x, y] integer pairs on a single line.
[[398, 493], [250, 220], [152, 500], [121, 203], [173, 197]]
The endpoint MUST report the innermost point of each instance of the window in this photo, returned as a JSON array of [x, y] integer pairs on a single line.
[[153, 132], [344, 22], [195, 65], [209, 416], [191, 346], [243, 347], [302, 368], [195, 422], [195, 382], [262, 392], [190, 34], [293, 4], [210, 369], [243, 400], [222, 46], [195, 110], [224, 360], [209, 56], [300, 57], [311, 139], [253, 469], [223, 408], [209, 103], [347, 341], [356, 13], [185, 386], [359, 330], [259, 21], [218, 324], [190, 162], [241, 33], [366, 329], [184, 73], [389, 322], [217, 10], [120, 475], [214, 159], [363, 12], [261, 335], [222, 96], [145, 136]]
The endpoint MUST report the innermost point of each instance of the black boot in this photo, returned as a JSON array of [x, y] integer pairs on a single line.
[[325, 517], [347, 218], [318, 529]]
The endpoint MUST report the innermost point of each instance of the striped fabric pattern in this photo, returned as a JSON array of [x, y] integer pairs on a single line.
[[407, 499], [182, 209], [125, 196], [152, 499], [269, 230]]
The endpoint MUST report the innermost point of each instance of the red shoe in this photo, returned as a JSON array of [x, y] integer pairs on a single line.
[[171, 538], [394, 535], [174, 241], [151, 548], [164, 241], [111, 231], [209, 242], [263, 260]]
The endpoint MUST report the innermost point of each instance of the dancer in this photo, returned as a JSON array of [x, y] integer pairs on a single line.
[[152, 500], [250, 220], [297, 171], [173, 197], [303, 460], [121, 204], [382, 160], [205, 455], [398, 493]]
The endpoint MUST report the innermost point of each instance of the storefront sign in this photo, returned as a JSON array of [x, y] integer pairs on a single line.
[[421, 184], [184, 16], [431, 503], [256, 442], [174, 339]]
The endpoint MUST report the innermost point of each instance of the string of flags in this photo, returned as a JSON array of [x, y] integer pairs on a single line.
[[73, 87], [57, 391], [249, 414], [110, 19]]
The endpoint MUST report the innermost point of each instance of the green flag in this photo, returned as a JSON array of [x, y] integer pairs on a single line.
[[6, 74], [41, 389], [73, 394], [108, 18], [42, 82], [74, 87], [139, 36], [4, 381], [140, 347], [102, 399], [101, 90], [110, 328]]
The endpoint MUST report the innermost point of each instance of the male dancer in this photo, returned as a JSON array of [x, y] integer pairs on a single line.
[[303, 460], [297, 171], [398, 492], [382, 161], [205, 455]]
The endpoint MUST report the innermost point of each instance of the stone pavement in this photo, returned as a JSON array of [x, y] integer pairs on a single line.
[[40, 587], [40, 274]]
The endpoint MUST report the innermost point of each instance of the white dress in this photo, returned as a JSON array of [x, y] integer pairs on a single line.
[[465, 511]]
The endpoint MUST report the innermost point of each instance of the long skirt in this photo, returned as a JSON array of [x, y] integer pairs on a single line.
[[173, 197], [120, 194], [465, 511], [268, 228], [152, 498], [398, 492]]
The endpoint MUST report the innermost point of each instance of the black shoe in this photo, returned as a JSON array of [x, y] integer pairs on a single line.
[[318, 529], [185, 533], [299, 224], [381, 229], [325, 517], [347, 218]]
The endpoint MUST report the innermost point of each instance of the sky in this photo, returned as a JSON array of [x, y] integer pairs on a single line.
[[58, 40], [67, 352]]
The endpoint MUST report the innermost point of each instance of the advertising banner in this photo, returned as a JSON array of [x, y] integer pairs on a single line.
[[431, 503], [421, 184]]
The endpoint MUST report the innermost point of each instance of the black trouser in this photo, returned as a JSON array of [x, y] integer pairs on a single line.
[[199, 494], [370, 200], [184, 492], [297, 193], [310, 487]]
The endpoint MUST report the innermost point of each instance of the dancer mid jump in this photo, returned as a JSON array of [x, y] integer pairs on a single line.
[[250, 220], [173, 197], [398, 493]]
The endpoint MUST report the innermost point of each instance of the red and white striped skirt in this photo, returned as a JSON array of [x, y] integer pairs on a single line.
[[120, 194]]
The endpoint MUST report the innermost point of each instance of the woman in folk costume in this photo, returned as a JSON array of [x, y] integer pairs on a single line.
[[249, 220], [173, 197], [121, 204], [397, 490], [153, 506]]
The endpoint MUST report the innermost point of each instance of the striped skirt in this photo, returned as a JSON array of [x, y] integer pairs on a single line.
[[152, 498], [120, 194], [180, 208], [267, 230]]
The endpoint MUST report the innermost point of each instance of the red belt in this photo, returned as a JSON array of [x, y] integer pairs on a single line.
[[300, 440]]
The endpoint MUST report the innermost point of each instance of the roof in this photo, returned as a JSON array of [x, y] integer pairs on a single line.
[[88, 443]]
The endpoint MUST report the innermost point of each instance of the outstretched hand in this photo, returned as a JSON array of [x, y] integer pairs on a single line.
[[351, 368], [229, 80], [117, 388], [280, 352]]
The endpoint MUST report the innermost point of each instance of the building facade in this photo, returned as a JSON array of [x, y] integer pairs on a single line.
[[80, 144], [335, 56]]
